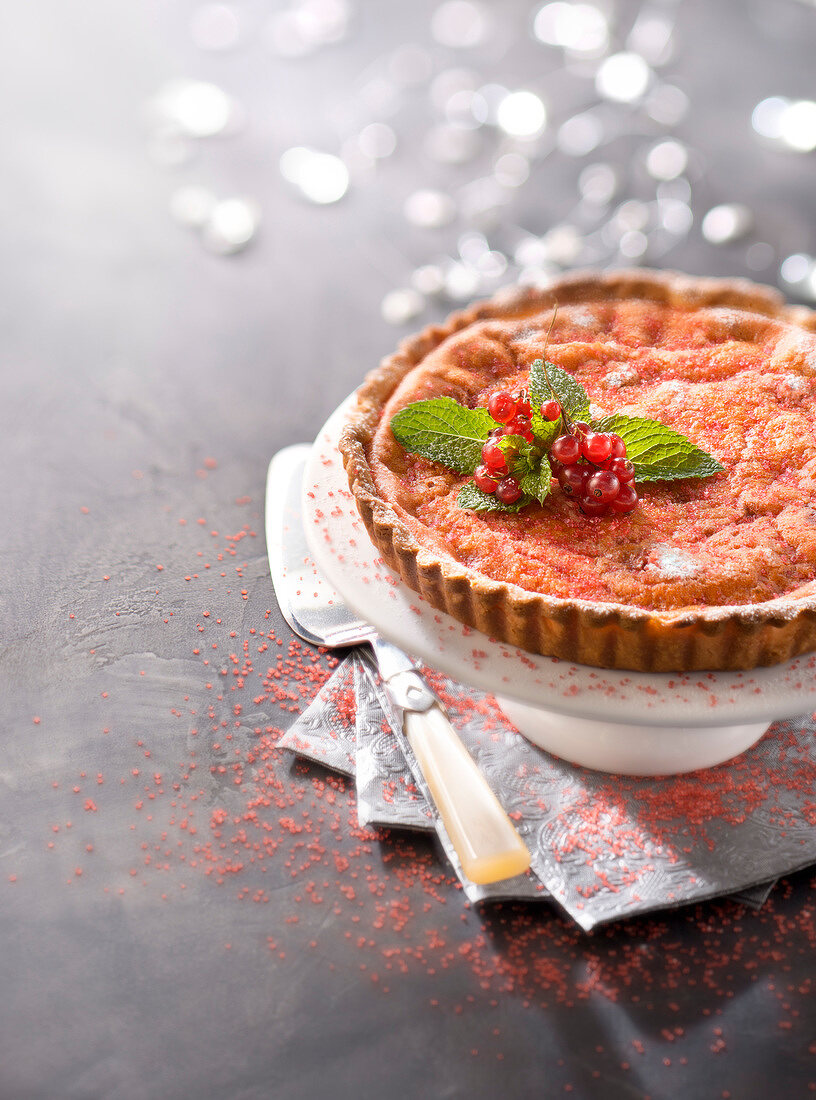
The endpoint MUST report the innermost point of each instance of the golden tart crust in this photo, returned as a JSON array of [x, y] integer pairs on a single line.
[[716, 573]]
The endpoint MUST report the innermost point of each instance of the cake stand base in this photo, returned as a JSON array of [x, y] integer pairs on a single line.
[[631, 749]]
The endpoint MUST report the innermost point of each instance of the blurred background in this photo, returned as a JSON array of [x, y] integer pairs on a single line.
[[268, 195]]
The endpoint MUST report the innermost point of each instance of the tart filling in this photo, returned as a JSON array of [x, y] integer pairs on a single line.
[[705, 573]]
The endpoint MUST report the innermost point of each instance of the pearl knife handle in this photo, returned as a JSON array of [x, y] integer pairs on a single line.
[[486, 841]]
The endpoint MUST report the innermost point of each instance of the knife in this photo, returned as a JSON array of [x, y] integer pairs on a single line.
[[483, 836]]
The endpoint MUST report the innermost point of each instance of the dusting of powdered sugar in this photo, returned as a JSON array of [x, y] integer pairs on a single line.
[[580, 315], [796, 348], [672, 387], [729, 318], [622, 376], [672, 562], [793, 387]]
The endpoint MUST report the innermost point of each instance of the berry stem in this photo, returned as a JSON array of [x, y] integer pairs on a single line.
[[564, 415]]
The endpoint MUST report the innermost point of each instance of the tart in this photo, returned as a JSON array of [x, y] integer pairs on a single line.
[[706, 573]]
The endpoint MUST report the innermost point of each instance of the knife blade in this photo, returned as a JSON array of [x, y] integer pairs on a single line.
[[483, 836]]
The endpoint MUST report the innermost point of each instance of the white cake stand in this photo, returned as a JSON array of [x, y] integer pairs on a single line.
[[631, 723]]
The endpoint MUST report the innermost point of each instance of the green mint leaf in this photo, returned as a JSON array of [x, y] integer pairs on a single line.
[[572, 396], [536, 482], [444, 431], [524, 464], [545, 431], [473, 498], [657, 452], [513, 447], [526, 461]]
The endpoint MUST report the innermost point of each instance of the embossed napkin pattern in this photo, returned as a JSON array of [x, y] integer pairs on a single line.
[[604, 847]]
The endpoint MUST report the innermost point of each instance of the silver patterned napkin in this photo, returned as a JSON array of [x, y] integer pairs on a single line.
[[387, 793], [325, 732], [391, 790], [604, 847]]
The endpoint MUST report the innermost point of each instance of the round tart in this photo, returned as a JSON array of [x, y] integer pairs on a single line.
[[714, 572]]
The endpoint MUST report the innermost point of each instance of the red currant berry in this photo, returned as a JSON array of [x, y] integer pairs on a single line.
[[572, 480], [497, 433], [592, 507], [493, 458], [566, 449], [626, 500], [484, 480], [622, 468], [551, 410], [508, 490], [580, 427], [529, 437], [518, 425], [603, 486], [595, 447], [502, 406], [618, 446]]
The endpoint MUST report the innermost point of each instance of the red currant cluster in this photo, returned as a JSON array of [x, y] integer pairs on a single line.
[[512, 413], [493, 476], [590, 466], [593, 468]]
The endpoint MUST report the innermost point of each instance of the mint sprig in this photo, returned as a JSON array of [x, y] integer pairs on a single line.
[[657, 452], [442, 430]]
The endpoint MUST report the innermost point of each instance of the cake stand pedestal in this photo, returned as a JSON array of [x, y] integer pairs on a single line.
[[626, 748]]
